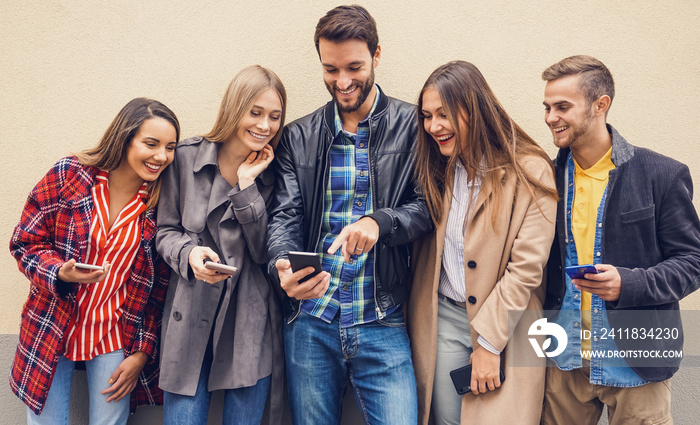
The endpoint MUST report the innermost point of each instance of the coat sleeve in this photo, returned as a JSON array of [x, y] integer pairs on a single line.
[[285, 231], [407, 222], [251, 212], [172, 243], [524, 271], [32, 242], [678, 236]]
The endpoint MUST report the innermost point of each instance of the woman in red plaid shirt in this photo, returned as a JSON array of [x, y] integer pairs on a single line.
[[96, 208]]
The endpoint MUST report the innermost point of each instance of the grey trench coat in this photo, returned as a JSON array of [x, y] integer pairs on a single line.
[[241, 315]]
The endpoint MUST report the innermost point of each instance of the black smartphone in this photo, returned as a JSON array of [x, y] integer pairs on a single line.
[[301, 260], [462, 379], [577, 272]]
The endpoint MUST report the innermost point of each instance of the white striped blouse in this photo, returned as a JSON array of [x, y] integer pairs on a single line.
[[94, 328], [452, 283]]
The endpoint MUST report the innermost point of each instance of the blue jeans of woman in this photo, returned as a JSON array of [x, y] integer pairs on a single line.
[[99, 369], [242, 406]]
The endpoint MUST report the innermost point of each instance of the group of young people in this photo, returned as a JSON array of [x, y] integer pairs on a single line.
[[434, 225]]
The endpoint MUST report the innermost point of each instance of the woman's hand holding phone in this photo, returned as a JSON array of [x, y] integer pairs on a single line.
[[198, 256], [71, 273], [486, 371]]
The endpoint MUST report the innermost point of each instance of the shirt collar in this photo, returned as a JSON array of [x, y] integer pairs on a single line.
[[600, 169], [102, 178], [339, 122]]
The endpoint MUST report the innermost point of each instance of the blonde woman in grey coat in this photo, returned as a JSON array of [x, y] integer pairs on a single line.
[[221, 329]]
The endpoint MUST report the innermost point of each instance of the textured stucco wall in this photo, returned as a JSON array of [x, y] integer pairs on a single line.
[[67, 67]]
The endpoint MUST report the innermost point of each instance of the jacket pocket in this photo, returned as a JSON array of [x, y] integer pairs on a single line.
[[194, 223], [638, 215]]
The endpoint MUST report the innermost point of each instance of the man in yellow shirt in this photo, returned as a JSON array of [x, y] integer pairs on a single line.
[[628, 211]]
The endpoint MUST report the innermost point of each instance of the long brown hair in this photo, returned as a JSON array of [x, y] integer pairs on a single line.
[[239, 98], [494, 142], [111, 149]]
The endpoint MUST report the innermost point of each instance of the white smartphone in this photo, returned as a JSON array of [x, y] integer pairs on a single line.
[[221, 268], [84, 266]]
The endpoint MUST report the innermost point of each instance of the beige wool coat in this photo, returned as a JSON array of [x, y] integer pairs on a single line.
[[503, 272]]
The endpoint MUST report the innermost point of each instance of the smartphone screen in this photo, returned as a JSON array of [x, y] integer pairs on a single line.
[[302, 260]]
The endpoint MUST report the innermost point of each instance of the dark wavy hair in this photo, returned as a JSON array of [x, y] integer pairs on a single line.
[[111, 149]]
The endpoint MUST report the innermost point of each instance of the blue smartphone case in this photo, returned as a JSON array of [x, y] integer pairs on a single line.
[[577, 272]]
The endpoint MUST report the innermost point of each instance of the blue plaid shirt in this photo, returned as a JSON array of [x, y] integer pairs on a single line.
[[348, 197]]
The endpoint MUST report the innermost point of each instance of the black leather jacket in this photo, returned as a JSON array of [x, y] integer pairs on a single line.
[[301, 177]]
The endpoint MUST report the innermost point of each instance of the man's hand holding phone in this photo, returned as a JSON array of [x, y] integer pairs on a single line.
[[605, 284], [312, 288]]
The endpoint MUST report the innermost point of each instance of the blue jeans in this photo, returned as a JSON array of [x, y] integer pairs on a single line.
[[99, 370], [375, 357], [241, 405]]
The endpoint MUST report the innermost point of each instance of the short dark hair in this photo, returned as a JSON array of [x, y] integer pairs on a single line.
[[596, 79], [345, 23]]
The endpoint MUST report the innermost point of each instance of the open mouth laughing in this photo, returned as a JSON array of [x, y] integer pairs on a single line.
[[444, 139], [347, 92], [153, 167]]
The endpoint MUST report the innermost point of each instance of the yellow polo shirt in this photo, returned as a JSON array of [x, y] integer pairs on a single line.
[[589, 186]]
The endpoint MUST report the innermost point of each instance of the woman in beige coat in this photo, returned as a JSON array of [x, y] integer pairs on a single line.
[[490, 190]]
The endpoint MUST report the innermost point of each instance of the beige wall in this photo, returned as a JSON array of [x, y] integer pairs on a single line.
[[67, 67]]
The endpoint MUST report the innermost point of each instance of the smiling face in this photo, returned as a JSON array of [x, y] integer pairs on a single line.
[[567, 113], [152, 149], [436, 122], [348, 71], [262, 122]]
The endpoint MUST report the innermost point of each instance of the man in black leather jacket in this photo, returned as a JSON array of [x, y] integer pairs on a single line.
[[344, 189]]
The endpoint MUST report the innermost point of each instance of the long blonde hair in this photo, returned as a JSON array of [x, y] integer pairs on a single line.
[[111, 149], [494, 142], [239, 98]]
